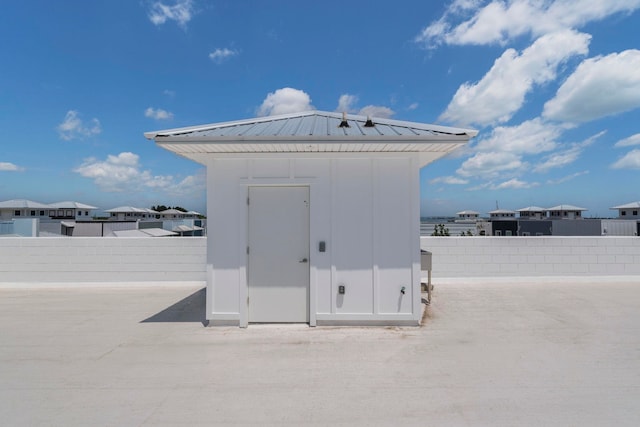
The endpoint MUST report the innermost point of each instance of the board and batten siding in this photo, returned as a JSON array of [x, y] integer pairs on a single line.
[[364, 206]]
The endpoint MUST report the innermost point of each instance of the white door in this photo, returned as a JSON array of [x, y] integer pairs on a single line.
[[278, 267]]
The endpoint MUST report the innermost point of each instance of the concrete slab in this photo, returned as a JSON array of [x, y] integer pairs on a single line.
[[549, 352]]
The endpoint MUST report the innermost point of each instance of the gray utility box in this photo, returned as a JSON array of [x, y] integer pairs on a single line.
[[425, 260], [426, 265]]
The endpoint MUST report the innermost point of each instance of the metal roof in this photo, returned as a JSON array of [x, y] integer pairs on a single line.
[[632, 205], [71, 205], [22, 204], [532, 209], [566, 208], [130, 209], [30, 204], [311, 131]]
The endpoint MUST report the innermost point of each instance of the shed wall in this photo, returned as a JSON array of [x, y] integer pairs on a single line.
[[366, 209]]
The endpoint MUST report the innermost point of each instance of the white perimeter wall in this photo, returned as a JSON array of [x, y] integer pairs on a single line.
[[87, 260], [533, 256]]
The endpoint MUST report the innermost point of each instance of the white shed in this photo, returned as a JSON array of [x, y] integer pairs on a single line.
[[313, 217]]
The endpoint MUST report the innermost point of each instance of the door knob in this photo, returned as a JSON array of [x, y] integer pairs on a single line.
[[303, 260]]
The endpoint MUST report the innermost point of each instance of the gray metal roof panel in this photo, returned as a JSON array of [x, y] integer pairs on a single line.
[[312, 123]]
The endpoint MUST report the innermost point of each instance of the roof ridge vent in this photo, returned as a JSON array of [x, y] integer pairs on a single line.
[[369, 123], [344, 123]]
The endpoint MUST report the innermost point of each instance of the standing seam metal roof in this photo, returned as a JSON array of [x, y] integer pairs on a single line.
[[311, 124]]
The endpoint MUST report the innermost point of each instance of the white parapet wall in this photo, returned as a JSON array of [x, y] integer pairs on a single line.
[[457, 257], [102, 260], [114, 261]]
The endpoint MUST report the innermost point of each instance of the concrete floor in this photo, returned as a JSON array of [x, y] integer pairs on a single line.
[[488, 354]]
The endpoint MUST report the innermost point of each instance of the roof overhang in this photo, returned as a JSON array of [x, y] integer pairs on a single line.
[[311, 132], [199, 149]]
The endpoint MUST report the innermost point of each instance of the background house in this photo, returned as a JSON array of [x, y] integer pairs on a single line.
[[628, 211]]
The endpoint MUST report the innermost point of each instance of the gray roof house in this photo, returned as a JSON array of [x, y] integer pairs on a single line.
[[628, 211]]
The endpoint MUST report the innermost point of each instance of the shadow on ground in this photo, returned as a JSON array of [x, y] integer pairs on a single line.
[[189, 309]]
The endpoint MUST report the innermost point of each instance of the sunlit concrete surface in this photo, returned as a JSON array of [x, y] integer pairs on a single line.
[[488, 354]]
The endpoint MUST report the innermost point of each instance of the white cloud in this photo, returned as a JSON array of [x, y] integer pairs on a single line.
[[376, 111], [181, 12], [10, 167], [123, 172], [599, 87], [514, 184], [631, 160], [628, 142], [501, 92], [490, 165], [498, 21], [453, 180], [413, 106], [168, 92], [221, 54], [346, 103], [529, 137], [158, 114], [72, 127], [285, 101], [565, 157], [566, 178]]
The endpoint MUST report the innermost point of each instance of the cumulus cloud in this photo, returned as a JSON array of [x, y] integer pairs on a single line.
[[158, 114], [501, 92], [123, 172], [346, 103], [499, 21], [285, 101], [221, 54], [490, 165], [599, 87], [72, 127], [628, 142], [529, 137], [377, 111], [181, 11], [10, 167], [631, 160]]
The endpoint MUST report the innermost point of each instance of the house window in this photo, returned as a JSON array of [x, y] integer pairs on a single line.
[[41, 213], [623, 213], [86, 213], [16, 213], [635, 213], [52, 213], [498, 233], [33, 213], [508, 233]]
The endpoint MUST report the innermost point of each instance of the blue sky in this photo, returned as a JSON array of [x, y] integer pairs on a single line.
[[552, 86]]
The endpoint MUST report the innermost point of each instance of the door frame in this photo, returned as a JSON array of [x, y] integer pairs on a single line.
[[243, 270]]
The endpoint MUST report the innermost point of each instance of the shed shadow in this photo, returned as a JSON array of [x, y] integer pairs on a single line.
[[189, 309]]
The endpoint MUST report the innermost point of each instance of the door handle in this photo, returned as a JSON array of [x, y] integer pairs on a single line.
[[303, 260]]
